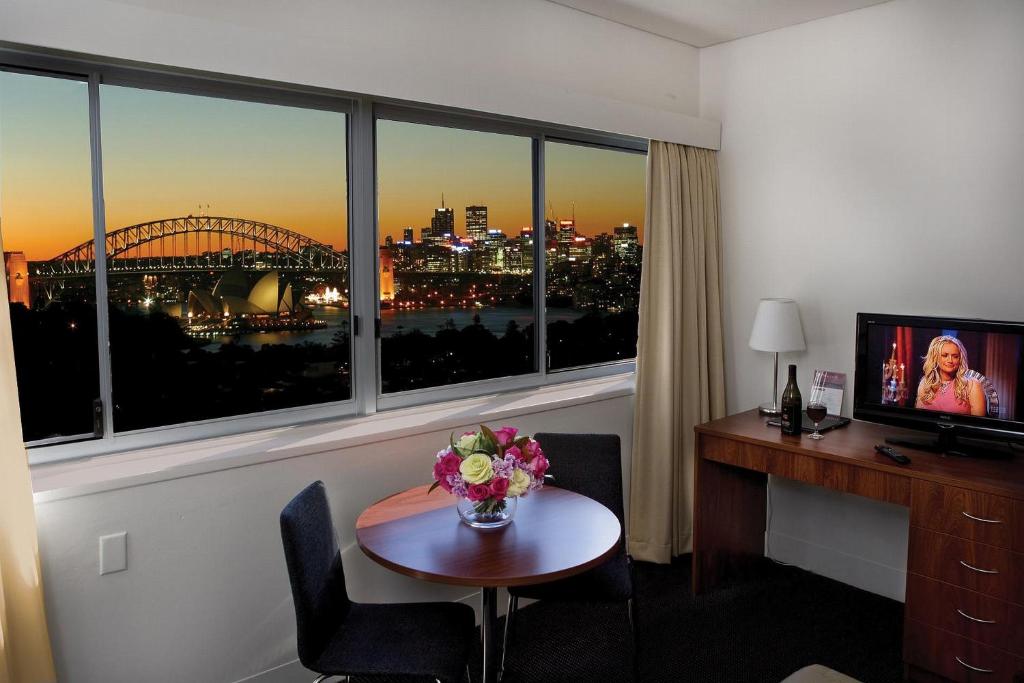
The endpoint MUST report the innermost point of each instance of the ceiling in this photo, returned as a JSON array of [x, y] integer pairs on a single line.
[[701, 23]]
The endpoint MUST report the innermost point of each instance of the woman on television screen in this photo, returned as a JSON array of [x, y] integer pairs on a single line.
[[943, 387]]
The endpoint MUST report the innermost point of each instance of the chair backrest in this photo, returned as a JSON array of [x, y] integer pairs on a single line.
[[589, 464], [314, 568]]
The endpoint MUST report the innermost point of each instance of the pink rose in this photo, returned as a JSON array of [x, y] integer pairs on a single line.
[[441, 477], [499, 487], [478, 492], [514, 452], [506, 435], [540, 465], [450, 463], [532, 449]]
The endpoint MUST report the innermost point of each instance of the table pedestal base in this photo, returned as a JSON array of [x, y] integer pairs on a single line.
[[488, 625]]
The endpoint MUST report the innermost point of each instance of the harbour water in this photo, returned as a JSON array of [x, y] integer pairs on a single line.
[[428, 320]]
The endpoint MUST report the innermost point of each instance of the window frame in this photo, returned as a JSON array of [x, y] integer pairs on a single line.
[[362, 113]]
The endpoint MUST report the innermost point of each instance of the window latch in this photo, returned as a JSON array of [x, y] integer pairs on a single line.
[[376, 328], [355, 325], [97, 417]]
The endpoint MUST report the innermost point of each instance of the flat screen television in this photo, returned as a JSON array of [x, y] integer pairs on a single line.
[[960, 381]]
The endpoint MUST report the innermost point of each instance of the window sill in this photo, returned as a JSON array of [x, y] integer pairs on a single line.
[[133, 468]]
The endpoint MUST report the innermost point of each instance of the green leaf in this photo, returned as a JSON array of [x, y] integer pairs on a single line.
[[433, 486], [521, 442], [489, 439]]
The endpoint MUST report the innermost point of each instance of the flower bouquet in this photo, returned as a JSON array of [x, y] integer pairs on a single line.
[[488, 471]]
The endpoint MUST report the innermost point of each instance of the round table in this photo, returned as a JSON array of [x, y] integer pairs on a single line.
[[555, 534]]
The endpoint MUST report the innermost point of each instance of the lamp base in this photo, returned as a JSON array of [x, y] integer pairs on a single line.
[[769, 410]]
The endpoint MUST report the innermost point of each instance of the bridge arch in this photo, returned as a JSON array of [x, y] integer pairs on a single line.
[[299, 251]]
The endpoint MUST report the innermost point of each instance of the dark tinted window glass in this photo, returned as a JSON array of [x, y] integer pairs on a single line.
[[593, 249], [456, 255], [46, 212], [227, 254]]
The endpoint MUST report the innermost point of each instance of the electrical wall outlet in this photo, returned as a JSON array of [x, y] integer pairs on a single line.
[[114, 553]]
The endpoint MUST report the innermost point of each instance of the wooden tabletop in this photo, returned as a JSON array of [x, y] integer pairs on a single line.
[[555, 533], [855, 444]]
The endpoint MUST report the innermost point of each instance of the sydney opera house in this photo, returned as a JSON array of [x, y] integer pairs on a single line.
[[270, 299]]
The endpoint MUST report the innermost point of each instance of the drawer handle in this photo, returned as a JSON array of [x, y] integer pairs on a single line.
[[968, 515], [973, 668], [983, 571], [965, 615]]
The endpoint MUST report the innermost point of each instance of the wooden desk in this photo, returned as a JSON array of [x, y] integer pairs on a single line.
[[555, 533], [965, 564]]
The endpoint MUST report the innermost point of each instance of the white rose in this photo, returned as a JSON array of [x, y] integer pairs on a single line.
[[518, 483], [467, 443], [476, 469]]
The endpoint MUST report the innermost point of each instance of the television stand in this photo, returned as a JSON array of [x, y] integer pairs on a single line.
[[949, 442]]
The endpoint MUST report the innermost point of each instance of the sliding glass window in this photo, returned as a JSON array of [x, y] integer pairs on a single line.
[[456, 255], [46, 210], [593, 249], [227, 256]]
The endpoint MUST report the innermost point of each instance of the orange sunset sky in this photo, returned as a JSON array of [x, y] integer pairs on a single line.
[[164, 154]]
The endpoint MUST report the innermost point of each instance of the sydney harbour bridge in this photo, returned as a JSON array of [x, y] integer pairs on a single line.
[[189, 244], [195, 242]]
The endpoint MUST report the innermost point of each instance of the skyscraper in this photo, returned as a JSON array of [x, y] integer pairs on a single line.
[[408, 235], [443, 222], [627, 245], [476, 223]]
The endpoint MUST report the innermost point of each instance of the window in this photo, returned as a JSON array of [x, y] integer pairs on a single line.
[[455, 217], [45, 209], [593, 238], [263, 256], [227, 256]]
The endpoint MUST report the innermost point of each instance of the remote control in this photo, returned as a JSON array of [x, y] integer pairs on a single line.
[[890, 452]]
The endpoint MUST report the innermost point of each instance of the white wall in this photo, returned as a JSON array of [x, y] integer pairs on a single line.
[[206, 594], [529, 58], [870, 162]]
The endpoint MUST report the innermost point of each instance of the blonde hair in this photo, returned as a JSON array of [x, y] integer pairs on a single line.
[[931, 382]]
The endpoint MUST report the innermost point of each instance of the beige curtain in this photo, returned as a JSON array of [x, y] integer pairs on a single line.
[[679, 376], [24, 641]]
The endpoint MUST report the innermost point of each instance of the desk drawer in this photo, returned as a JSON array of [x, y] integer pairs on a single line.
[[952, 656], [961, 512], [973, 615], [983, 568]]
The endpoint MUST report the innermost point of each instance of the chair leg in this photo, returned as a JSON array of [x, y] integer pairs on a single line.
[[631, 613], [513, 605]]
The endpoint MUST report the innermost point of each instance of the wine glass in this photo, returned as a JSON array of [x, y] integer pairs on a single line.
[[816, 409]]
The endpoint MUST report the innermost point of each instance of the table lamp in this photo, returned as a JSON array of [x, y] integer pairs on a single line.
[[776, 329]]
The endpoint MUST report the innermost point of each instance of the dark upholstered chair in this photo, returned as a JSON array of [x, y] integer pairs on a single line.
[[338, 637], [589, 464]]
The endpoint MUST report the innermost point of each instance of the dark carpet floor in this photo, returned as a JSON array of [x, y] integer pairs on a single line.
[[759, 629]]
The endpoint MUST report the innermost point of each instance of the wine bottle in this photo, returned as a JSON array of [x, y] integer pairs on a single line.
[[792, 406]]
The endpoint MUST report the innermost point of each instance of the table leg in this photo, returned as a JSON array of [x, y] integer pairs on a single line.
[[728, 521], [488, 625]]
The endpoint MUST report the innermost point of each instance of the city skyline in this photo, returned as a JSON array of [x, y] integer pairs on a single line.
[[168, 155]]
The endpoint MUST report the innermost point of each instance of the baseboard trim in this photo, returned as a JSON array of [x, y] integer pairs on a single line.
[[884, 580], [289, 672]]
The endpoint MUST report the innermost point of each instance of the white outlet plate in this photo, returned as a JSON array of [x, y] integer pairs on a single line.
[[113, 553]]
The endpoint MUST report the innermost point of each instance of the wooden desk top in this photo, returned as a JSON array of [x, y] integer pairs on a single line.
[[555, 534], [855, 445]]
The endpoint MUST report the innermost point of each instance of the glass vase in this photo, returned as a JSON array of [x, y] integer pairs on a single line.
[[487, 514]]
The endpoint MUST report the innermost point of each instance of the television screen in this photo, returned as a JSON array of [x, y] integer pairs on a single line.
[[959, 371]]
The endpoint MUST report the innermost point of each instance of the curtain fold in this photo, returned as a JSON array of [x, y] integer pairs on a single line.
[[680, 378], [25, 655]]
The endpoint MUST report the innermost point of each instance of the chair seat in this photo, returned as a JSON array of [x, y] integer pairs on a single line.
[[431, 639], [816, 673], [608, 582]]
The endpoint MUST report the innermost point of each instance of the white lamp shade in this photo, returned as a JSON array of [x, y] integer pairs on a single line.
[[777, 327]]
